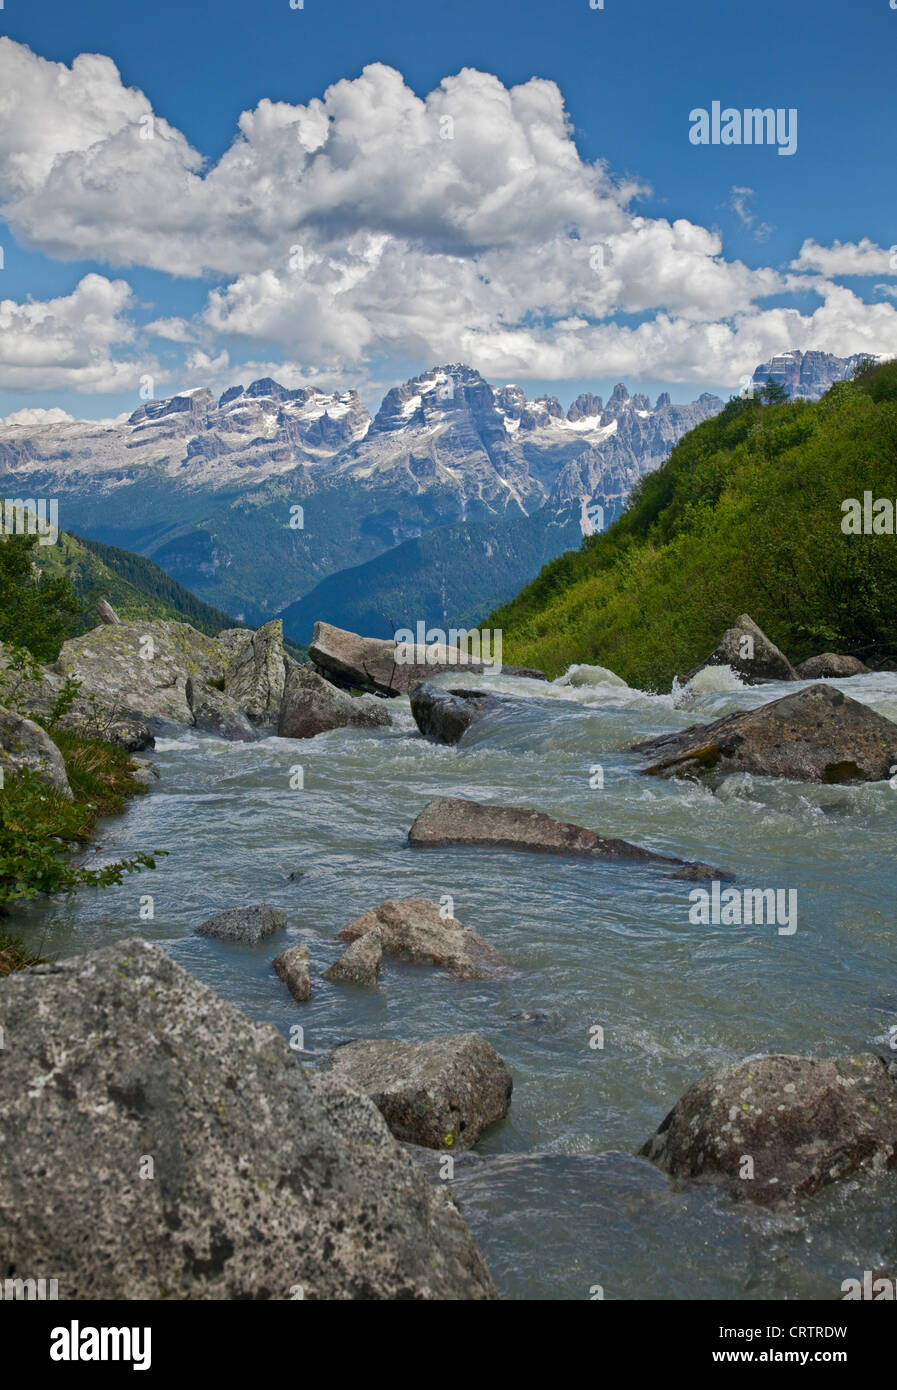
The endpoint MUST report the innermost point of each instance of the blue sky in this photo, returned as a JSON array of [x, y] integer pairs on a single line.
[[388, 283]]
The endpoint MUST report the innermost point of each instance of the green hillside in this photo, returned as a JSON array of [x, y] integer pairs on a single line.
[[135, 586], [745, 516]]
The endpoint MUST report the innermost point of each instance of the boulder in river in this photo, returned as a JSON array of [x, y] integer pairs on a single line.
[[214, 712], [24, 744], [157, 1143], [293, 966], [453, 821], [446, 715], [360, 962], [312, 705], [442, 1093], [782, 1125], [419, 931], [748, 651], [818, 734], [390, 667], [254, 671], [830, 665], [248, 925]]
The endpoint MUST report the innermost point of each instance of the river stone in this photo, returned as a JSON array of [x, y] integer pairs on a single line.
[[370, 662], [24, 744], [415, 930], [264, 1186], [360, 962], [293, 966], [829, 665], [245, 924], [815, 735], [804, 1121], [748, 651], [254, 671], [446, 715], [312, 705], [216, 713], [449, 820], [442, 1093], [108, 663]]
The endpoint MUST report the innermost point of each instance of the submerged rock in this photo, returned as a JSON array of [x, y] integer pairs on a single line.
[[447, 714], [782, 1125], [158, 1144], [312, 705], [245, 924], [360, 962], [748, 651], [293, 966], [416, 930], [442, 1093], [24, 744], [815, 735], [453, 821], [829, 665]]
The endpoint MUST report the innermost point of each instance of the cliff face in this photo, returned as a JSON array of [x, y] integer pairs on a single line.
[[807, 375]]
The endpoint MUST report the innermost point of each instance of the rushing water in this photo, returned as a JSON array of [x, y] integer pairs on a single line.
[[553, 1195]]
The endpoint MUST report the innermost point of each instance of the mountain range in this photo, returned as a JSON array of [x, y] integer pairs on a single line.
[[268, 501]]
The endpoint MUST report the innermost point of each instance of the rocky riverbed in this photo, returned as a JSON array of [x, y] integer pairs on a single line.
[[594, 986]]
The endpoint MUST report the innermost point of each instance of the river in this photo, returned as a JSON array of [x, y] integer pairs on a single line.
[[557, 1202]]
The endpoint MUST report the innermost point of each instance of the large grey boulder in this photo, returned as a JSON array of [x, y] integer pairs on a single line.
[[214, 712], [30, 689], [446, 715], [781, 1125], [376, 663], [815, 735], [141, 668], [360, 962], [455, 821], [312, 705], [417, 930], [254, 671], [24, 744], [293, 966], [442, 1093], [830, 665], [155, 1143], [248, 925], [748, 651]]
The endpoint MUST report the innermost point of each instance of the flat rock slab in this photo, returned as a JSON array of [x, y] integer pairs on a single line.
[[244, 924], [263, 1184], [442, 1093], [802, 1122], [454, 821], [815, 735], [381, 664], [417, 930], [293, 966]]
